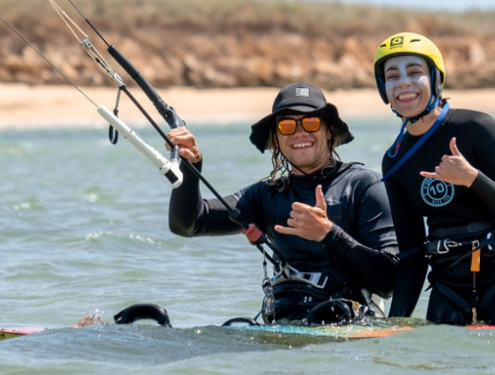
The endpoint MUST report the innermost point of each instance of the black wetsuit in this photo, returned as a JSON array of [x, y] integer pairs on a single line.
[[453, 212], [356, 253]]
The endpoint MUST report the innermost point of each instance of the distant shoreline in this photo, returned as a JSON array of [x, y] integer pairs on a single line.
[[23, 106]]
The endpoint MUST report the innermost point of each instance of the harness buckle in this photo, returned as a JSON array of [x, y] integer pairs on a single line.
[[443, 247], [316, 279], [475, 245]]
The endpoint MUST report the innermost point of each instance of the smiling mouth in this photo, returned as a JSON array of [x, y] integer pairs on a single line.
[[406, 97], [302, 145]]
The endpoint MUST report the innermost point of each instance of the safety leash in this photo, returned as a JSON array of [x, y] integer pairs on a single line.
[[475, 268], [418, 144]]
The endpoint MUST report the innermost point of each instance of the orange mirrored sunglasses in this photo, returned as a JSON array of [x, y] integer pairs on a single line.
[[288, 126]]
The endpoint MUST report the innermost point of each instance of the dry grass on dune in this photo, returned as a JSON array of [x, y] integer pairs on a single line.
[[239, 43], [127, 17]]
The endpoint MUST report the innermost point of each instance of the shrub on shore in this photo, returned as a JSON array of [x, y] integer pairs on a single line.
[[219, 43]]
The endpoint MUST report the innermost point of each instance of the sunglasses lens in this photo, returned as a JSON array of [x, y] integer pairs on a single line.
[[287, 126], [311, 124]]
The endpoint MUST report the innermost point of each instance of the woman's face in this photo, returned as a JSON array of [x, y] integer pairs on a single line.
[[407, 83]]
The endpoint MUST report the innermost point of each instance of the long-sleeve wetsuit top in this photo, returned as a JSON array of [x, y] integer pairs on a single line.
[[413, 197], [358, 247]]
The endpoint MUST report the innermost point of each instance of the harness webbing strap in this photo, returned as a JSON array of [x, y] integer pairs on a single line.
[[418, 144], [485, 304], [453, 296], [475, 267], [440, 247]]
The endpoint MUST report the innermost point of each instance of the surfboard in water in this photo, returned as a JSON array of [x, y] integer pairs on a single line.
[[10, 333], [351, 331], [374, 328], [348, 331]]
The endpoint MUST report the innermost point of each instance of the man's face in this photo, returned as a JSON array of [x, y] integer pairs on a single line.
[[306, 150]]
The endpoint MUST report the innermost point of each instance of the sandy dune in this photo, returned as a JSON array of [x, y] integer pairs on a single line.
[[23, 106]]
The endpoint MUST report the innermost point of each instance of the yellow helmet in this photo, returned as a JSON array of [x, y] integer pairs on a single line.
[[406, 43]]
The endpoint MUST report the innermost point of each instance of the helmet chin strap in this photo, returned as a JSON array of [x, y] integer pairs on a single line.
[[432, 104]]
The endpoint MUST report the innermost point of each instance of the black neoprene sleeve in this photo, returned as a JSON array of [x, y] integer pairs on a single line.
[[372, 268], [484, 187]]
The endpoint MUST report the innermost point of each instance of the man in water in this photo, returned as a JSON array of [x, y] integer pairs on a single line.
[[329, 221]]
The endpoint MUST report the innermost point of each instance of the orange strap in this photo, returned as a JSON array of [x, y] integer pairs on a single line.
[[475, 257], [252, 233]]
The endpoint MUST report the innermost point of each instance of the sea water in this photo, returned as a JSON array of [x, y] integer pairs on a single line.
[[84, 229]]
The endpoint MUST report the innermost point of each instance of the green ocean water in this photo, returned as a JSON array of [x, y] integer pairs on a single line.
[[84, 228]]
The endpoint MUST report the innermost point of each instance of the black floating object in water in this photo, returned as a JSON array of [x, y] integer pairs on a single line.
[[143, 311]]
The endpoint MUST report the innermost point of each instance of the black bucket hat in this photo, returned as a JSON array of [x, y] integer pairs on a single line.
[[297, 98]]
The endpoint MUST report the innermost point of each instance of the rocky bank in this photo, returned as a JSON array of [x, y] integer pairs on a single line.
[[219, 55]]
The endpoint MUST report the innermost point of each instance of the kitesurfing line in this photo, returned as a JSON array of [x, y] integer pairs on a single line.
[[254, 235], [84, 41], [170, 170], [167, 168]]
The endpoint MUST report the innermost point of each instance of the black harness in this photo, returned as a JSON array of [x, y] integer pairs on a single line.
[[449, 253], [446, 246]]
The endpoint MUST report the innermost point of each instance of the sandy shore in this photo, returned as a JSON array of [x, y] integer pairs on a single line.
[[23, 106]]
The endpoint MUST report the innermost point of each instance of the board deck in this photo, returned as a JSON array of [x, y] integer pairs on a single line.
[[348, 331], [351, 331], [480, 326], [345, 332], [10, 333]]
